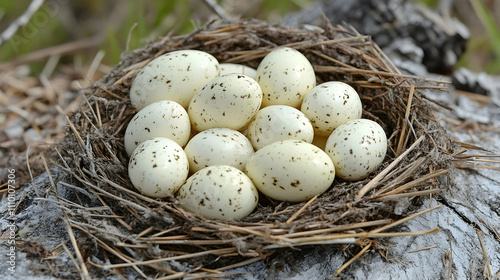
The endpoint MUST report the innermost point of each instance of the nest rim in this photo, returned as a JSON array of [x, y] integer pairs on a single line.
[[415, 160]]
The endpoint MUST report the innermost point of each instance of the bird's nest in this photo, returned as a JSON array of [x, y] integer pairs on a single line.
[[157, 238]]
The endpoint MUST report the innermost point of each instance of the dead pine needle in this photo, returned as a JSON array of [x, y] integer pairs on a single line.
[[358, 255], [423, 249], [296, 214], [377, 178], [406, 122], [487, 269]]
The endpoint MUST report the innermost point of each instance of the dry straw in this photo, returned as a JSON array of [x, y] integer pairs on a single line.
[[136, 234]]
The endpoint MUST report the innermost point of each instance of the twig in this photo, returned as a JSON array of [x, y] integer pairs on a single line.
[[406, 122], [296, 214], [218, 9], [377, 178], [422, 249], [66, 249], [20, 21], [50, 51], [130, 36], [84, 273], [398, 222], [487, 271], [354, 258], [186, 256]]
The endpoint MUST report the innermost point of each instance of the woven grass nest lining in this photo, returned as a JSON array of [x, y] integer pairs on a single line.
[[419, 152]]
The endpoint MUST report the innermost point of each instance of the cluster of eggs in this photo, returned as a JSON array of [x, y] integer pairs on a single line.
[[215, 135]]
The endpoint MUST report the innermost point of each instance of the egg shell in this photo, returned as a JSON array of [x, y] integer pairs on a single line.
[[331, 104], [285, 76], [158, 167], [357, 148], [219, 192], [228, 101], [279, 122], [232, 68], [320, 141], [175, 76], [218, 146], [291, 170], [163, 118]]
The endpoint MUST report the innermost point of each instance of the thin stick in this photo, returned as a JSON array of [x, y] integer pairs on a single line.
[[144, 232], [349, 262], [218, 9], [50, 51], [410, 194], [165, 231], [418, 181], [474, 166], [20, 21], [351, 69], [111, 250], [412, 168], [398, 222], [406, 121], [66, 249], [245, 262], [339, 228], [337, 238], [377, 178], [488, 272], [72, 126], [69, 229], [423, 249], [130, 36], [296, 214], [187, 256]]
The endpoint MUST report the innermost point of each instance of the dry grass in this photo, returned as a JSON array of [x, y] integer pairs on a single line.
[[146, 235]]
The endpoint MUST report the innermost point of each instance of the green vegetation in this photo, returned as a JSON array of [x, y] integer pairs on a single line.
[[142, 21], [493, 37], [127, 25]]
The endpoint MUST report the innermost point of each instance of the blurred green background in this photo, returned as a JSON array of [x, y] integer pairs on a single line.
[[61, 21]]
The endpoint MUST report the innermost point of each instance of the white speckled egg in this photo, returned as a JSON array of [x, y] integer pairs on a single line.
[[357, 148], [158, 167], [279, 122], [219, 192], [175, 76], [218, 146], [227, 101], [331, 104], [285, 76], [291, 170], [160, 119], [232, 68]]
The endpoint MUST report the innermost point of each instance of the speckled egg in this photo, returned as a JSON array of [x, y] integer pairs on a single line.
[[218, 146], [228, 101], [160, 119], [285, 76], [279, 122], [291, 170], [158, 167], [175, 76], [219, 192], [357, 148], [331, 104], [232, 68]]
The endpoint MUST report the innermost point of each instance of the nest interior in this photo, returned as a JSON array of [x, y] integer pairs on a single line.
[[148, 234]]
